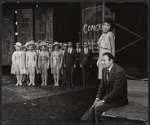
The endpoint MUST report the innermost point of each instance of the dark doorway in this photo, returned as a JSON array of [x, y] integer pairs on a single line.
[[66, 22]]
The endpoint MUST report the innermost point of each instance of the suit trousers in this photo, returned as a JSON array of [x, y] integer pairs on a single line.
[[70, 73], [94, 115], [85, 74], [64, 75], [78, 75]]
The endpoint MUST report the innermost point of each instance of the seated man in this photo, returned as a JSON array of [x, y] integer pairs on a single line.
[[112, 90]]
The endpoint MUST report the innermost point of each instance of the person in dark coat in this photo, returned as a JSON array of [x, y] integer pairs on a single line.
[[64, 69], [78, 72], [85, 63], [69, 63], [112, 90]]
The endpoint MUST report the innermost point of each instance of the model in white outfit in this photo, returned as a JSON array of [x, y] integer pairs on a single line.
[[17, 63], [31, 62], [56, 62]]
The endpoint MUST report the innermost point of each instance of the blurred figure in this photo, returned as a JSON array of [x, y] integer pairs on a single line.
[[78, 71], [65, 46], [23, 59], [38, 73], [43, 63], [85, 63], [50, 72], [69, 63], [64, 69], [31, 62], [56, 62], [17, 65], [61, 70]]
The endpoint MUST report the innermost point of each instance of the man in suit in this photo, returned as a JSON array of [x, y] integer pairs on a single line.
[[78, 74], [85, 63], [112, 90], [69, 63], [64, 69]]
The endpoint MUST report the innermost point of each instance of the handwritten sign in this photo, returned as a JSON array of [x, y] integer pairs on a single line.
[[87, 28]]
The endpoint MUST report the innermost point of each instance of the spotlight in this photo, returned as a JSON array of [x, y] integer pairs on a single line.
[[16, 33]]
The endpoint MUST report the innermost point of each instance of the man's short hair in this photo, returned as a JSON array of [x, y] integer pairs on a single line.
[[110, 56]]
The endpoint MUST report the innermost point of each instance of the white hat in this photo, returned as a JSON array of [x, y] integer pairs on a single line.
[[18, 44], [43, 43], [65, 44], [56, 43], [31, 43]]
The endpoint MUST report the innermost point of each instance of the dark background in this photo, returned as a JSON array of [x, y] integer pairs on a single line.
[[133, 16]]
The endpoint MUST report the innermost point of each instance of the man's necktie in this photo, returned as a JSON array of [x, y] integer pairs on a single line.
[[107, 76], [69, 50]]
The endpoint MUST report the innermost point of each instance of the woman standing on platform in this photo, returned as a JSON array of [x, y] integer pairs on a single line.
[[37, 52], [50, 72], [106, 43], [23, 62], [16, 63], [56, 62], [43, 62], [38, 73], [31, 62]]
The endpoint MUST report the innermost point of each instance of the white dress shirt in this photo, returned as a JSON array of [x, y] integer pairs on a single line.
[[78, 50], [85, 50], [70, 50]]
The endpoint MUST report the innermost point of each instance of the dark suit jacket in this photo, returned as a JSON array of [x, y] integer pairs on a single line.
[[69, 59], [77, 58], [86, 59], [115, 91]]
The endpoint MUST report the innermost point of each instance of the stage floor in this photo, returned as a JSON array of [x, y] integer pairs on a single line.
[[138, 102], [40, 105]]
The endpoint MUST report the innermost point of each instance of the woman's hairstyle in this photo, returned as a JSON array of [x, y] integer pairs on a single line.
[[111, 22]]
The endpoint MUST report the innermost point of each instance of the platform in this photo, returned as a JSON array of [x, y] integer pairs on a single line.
[[138, 103]]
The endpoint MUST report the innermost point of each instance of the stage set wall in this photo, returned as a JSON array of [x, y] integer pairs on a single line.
[[36, 22]]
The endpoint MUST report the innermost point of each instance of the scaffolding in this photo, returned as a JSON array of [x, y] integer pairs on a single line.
[[130, 44]]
